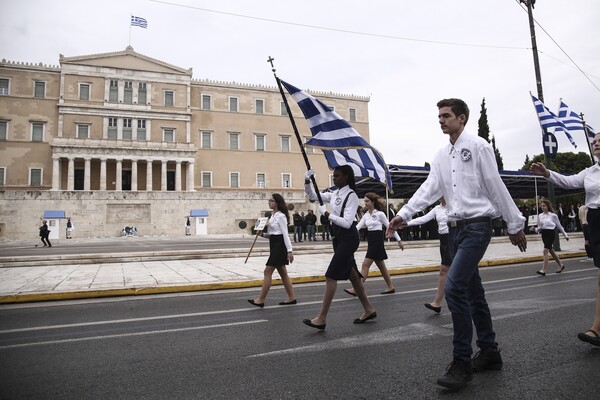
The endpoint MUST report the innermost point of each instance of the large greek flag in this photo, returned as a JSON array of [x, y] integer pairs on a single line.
[[340, 142], [572, 121], [547, 118]]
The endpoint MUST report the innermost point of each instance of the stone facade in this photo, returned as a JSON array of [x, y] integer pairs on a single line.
[[121, 138]]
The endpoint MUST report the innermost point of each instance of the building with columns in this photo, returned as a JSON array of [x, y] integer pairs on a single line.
[[122, 139]]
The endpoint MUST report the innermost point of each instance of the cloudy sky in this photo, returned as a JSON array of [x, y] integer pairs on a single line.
[[404, 55]]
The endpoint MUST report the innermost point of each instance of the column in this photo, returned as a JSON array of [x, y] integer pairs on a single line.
[[119, 175], [149, 175], [190, 177], [134, 173], [71, 174], [87, 175], [103, 174], [178, 176], [163, 175], [55, 173]]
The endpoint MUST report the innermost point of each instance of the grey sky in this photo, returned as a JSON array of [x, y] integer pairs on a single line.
[[404, 78]]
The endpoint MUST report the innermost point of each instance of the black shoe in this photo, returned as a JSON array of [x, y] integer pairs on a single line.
[[261, 305], [562, 266], [287, 303], [540, 273], [309, 323], [458, 375], [371, 316], [487, 360], [349, 292], [433, 308], [593, 340]]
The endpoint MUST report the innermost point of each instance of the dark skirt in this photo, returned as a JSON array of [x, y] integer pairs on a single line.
[[593, 218], [376, 249], [548, 238], [345, 243], [277, 252], [444, 250]]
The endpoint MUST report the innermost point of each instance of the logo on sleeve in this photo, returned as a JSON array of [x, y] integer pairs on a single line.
[[465, 154]]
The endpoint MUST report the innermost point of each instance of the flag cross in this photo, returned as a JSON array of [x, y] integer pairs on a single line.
[[550, 144]]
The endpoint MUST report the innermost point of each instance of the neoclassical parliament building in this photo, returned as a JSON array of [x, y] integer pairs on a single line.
[[122, 139]]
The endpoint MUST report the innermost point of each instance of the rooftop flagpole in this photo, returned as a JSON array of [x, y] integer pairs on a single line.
[[289, 112]]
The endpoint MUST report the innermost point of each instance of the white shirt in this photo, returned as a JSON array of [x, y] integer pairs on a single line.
[[278, 225], [588, 179], [549, 220], [336, 199], [375, 221], [440, 213], [466, 174]]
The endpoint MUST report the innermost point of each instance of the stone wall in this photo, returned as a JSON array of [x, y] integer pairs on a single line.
[[106, 213]]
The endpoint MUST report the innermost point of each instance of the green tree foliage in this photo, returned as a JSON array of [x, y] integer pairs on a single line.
[[484, 132], [565, 163]]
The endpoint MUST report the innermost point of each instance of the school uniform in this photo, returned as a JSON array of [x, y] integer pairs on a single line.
[[547, 222], [374, 222], [440, 214], [279, 240]]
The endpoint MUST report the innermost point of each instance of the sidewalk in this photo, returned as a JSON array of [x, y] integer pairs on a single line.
[[61, 282]]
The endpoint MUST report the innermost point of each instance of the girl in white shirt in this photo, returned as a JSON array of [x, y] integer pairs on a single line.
[[280, 252], [374, 219], [547, 221]]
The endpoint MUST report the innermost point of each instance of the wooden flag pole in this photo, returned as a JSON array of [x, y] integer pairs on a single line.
[[253, 243], [300, 144]]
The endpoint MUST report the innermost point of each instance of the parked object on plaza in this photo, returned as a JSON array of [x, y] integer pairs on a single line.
[[129, 231]]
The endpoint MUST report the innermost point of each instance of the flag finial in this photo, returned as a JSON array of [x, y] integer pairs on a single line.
[[270, 61]]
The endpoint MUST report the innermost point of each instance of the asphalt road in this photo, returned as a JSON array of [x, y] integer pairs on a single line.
[[214, 345]]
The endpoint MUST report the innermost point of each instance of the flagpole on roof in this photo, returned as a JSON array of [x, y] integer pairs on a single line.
[[289, 112], [587, 137]]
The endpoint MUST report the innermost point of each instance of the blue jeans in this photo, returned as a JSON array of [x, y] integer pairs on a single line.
[[311, 232], [297, 231], [464, 292]]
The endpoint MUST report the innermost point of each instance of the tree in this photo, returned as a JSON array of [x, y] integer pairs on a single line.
[[484, 132], [565, 163]]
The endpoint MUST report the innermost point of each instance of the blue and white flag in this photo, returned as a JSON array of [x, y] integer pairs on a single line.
[[547, 118], [340, 142], [573, 121], [139, 21]]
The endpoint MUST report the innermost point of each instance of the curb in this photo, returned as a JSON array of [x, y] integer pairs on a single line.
[[78, 295]]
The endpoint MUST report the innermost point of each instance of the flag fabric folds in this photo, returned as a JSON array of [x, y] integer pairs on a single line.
[[340, 142], [547, 118], [139, 21], [572, 121]]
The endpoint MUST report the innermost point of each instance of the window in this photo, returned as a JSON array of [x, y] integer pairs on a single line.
[[37, 132], [127, 122], [112, 128], [286, 181], [113, 91], [4, 87], [260, 181], [169, 99], [3, 130], [206, 141], [128, 92], [39, 90], [35, 177], [234, 180], [260, 142], [206, 179], [83, 131], [206, 99], [352, 114], [168, 135], [283, 108], [308, 150], [234, 141], [84, 91], [285, 144], [141, 130], [142, 93], [260, 106], [2, 176], [233, 104]]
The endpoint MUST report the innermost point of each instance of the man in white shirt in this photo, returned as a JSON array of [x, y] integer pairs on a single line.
[[466, 174]]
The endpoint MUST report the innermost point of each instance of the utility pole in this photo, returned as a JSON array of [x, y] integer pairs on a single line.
[[540, 95]]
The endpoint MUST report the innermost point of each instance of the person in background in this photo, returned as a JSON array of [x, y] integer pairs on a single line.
[[588, 179], [280, 253], [304, 224], [70, 228], [325, 225], [311, 225], [373, 220], [586, 230], [188, 226], [45, 233], [297, 226], [571, 226], [547, 223]]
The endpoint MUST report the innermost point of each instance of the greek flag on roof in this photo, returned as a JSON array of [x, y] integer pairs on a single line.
[[139, 21], [547, 118], [340, 142], [572, 121]]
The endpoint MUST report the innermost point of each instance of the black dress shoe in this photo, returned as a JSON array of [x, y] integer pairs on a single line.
[[308, 322], [433, 308], [389, 291], [561, 269], [349, 292], [367, 318], [261, 305], [287, 303], [540, 273], [593, 340]]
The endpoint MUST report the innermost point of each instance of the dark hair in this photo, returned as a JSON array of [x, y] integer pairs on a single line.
[[281, 206], [376, 200], [548, 204], [348, 172], [457, 106]]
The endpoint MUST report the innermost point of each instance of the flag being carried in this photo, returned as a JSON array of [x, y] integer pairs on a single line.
[[573, 121], [547, 118], [340, 142]]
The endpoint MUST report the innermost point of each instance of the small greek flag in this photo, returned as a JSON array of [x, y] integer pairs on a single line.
[[573, 121], [340, 142], [139, 21]]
